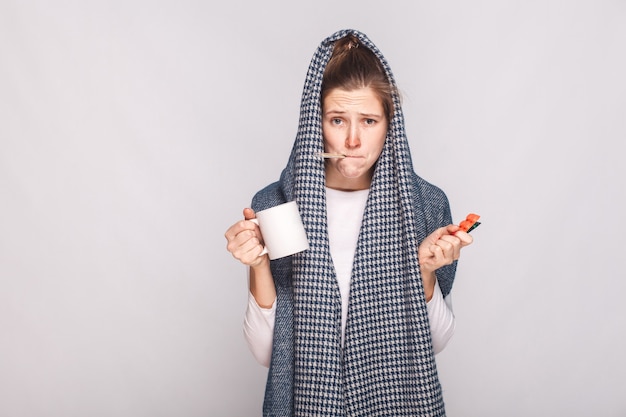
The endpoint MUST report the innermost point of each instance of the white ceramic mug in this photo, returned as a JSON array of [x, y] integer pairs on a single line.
[[282, 230]]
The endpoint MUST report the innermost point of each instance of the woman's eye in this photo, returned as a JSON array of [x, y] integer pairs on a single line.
[[336, 121], [370, 122]]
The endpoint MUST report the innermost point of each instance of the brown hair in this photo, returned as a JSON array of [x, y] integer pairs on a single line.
[[353, 66]]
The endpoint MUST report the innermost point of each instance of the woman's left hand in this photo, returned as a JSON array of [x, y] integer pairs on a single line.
[[442, 247]]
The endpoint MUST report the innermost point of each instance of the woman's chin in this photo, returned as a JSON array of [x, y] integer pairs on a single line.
[[352, 175]]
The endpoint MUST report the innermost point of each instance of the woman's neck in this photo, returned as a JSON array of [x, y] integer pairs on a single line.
[[341, 183]]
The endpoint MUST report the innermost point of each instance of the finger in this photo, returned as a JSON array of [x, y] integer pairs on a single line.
[[238, 227], [451, 239], [466, 238], [451, 245], [250, 235], [233, 231], [250, 251], [248, 214], [247, 251], [236, 242], [452, 229], [438, 256], [451, 248]]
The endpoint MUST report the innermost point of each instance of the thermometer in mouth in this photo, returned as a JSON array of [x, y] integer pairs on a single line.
[[326, 155]]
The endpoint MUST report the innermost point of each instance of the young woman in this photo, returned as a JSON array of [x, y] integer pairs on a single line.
[[351, 326]]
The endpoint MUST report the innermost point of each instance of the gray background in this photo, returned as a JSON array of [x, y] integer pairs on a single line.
[[132, 133]]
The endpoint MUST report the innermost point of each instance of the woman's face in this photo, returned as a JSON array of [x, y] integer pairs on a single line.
[[353, 124]]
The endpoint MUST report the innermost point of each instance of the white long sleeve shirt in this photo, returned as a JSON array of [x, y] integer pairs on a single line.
[[345, 212]]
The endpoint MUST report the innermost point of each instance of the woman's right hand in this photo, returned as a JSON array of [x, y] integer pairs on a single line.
[[245, 241]]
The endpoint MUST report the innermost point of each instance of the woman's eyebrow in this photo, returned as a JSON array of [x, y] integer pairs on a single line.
[[372, 115], [333, 111]]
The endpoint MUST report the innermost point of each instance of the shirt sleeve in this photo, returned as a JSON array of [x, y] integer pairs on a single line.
[[258, 326], [441, 318], [258, 329]]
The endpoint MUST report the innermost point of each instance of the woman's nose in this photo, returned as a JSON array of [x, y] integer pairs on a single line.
[[353, 140]]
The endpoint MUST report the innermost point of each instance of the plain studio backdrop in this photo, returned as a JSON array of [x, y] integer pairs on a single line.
[[133, 133]]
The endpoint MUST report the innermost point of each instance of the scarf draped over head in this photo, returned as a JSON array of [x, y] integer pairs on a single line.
[[386, 366]]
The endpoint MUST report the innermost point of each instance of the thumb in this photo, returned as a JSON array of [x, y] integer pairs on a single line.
[[248, 214]]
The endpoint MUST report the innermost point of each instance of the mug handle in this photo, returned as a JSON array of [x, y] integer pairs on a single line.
[[264, 251]]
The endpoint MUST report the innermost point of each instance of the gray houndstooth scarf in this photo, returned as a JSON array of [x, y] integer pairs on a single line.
[[387, 366]]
